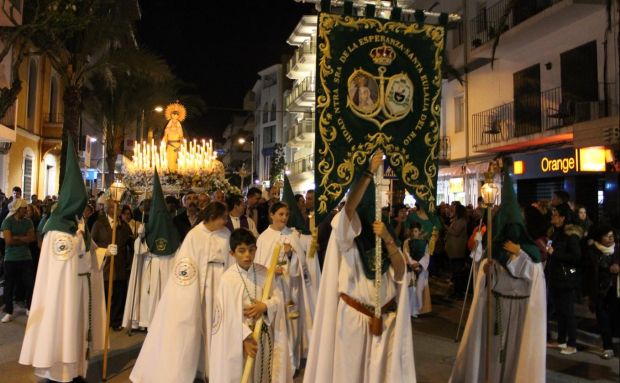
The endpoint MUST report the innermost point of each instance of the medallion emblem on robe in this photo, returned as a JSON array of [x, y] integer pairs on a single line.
[[185, 272], [63, 246], [160, 244]]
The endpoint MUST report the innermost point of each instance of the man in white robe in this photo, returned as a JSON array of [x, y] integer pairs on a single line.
[[153, 259], [67, 316], [345, 349], [240, 289], [518, 317], [176, 347]]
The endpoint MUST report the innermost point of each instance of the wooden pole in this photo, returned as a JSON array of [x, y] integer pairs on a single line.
[[378, 255], [109, 304], [249, 362], [489, 279]]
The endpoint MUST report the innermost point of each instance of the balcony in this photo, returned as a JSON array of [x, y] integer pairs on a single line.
[[538, 121], [7, 124], [302, 64], [52, 125], [530, 21], [301, 134], [301, 96], [302, 165]]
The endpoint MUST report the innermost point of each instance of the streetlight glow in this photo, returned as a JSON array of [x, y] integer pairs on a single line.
[[241, 140], [159, 109]]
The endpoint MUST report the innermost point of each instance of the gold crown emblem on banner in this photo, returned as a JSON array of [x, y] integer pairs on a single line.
[[383, 55]]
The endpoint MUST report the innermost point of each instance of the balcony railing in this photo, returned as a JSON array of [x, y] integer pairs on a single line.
[[531, 115], [54, 118], [486, 25], [307, 48], [304, 127], [304, 164], [306, 85], [8, 119]]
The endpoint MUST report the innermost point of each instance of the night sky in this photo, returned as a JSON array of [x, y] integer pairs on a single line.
[[218, 48]]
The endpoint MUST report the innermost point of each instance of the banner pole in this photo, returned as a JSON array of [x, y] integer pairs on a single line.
[[378, 255]]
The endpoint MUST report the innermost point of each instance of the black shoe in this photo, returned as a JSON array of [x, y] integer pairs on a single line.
[[117, 328]]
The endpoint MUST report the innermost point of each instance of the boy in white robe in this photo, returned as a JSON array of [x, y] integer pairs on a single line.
[[346, 349], [176, 347], [154, 251], [67, 316], [238, 307]]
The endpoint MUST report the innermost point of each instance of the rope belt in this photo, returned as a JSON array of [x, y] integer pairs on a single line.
[[264, 334], [376, 324], [89, 336], [497, 328]]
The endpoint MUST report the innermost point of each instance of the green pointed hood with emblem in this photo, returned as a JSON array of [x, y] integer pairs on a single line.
[[296, 219], [162, 236], [72, 198], [508, 223]]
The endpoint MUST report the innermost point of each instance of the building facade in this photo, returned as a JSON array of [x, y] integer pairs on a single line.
[[269, 119], [299, 102], [552, 89]]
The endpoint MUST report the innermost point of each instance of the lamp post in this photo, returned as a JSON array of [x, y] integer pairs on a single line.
[[242, 141], [117, 189], [489, 192]]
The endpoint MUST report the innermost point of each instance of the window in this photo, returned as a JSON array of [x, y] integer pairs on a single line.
[[269, 135], [273, 111], [459, 114], [53, 116], [265, 113], [27, 179], [32, 94]]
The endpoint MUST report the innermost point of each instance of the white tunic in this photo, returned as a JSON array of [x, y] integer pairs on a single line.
[[149, 275], [56, 343], [231, 327], [345, 350], [175, 349], [523, 327]]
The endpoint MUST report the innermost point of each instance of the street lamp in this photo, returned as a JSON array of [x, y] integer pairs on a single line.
[[242, 141], [117, 189], [489, 192]]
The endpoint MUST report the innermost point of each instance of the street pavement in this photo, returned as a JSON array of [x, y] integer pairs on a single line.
[[435, 350]]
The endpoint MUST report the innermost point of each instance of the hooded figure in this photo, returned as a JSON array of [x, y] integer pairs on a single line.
[[353, 345], [519, 318], [67, 316], [154, 252]]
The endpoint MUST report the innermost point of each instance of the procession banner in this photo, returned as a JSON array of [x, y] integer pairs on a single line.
[[378, 86]]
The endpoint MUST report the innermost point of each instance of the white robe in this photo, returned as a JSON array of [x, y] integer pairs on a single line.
[[176, 346], [230, 328], [55, 343], [523, 327], [416, 292], [293, 284], [148, 278], [344, 350]]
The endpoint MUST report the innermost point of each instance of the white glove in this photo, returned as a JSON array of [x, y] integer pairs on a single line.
[[112, 250]]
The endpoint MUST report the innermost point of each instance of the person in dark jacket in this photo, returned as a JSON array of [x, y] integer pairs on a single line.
[[604, 262], [102, 236], [564, 253]]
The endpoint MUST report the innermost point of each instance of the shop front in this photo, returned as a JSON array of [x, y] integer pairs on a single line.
[[578, 171]]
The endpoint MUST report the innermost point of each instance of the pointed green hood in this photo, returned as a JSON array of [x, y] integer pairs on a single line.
[[296, 219], [508, 223], [162, 236], [72, 198]]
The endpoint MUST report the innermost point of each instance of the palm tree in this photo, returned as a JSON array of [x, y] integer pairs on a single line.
[[116, 97]]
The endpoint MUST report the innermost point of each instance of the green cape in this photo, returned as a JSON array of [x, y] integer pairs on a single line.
[[508, 224], [72, 198], [296, 219], [162, 236]]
